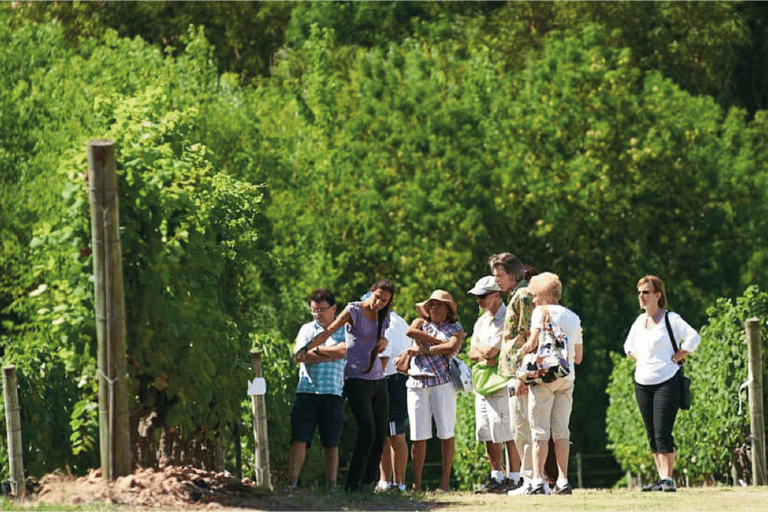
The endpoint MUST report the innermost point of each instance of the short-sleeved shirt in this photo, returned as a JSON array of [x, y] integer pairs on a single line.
[[432, 369], [326, 378], [516, 322], [489, 328], [569, 322], [397, 342], [361, 339]]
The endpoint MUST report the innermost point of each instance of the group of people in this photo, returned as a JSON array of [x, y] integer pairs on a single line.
[[525, 411]]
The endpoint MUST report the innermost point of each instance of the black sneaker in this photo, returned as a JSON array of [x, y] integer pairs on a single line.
[[539, 489], [566, 489], [513, 485], [653, 486], [668, 485], [493, 486]]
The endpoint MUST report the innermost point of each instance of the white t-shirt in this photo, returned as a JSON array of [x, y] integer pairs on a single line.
[[397, 341], [653, 348], [569, 322]]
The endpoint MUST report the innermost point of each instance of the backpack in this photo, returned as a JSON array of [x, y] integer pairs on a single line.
[[550, 361]]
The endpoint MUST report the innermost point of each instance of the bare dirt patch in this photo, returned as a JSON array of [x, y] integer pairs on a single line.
[[188, 488]]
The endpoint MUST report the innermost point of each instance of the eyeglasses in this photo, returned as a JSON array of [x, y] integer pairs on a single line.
[[320, 311], [484, 296]]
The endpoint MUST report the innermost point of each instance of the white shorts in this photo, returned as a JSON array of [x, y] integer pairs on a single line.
[[438, 402], [492, 420]]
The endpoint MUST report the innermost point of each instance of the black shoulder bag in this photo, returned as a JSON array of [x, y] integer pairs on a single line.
[[685, 402]]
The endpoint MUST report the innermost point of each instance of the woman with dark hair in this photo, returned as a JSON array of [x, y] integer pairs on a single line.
[[438, 336], [364, 383], [658, 379]]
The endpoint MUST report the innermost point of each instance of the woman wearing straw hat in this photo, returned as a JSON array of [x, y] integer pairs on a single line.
[[438, 336]]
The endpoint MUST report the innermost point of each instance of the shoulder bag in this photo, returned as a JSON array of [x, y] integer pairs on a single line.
[[687, 398]]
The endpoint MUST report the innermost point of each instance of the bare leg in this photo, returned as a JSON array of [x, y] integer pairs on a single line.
[[494, 455], [665, 463], [418, 454], [514, 457], [296, 457], [385, 463], [331, 463], [540, 450], [448, 448], [399, 457], [562, 450]]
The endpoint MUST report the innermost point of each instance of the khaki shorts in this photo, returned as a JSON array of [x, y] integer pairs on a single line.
[[549, 408], [492, 420]]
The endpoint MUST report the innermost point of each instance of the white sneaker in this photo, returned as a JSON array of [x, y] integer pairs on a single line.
[[382, 486], [520, 491]]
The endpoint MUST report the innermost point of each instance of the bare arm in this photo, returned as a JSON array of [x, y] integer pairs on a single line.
[[578, 354], [487, 353], [533, 342], [680, 355], [344, 318], [450, 347]]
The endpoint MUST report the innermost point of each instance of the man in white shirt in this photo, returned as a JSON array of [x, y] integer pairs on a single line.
[[492, 422]]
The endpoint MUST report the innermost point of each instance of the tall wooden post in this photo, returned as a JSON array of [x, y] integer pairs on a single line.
[[262, 476], [110, 310], [756, 417], [13, 426]]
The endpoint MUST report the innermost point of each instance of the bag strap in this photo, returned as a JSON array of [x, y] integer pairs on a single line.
[[671, 336]]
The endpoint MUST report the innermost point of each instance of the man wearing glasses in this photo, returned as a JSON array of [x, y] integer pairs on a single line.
[[318, 402]]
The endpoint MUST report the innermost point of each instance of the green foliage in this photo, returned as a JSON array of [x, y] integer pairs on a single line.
[[712, 436], [407, 141]]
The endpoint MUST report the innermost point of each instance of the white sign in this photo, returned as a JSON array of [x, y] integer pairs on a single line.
[[257, 387]]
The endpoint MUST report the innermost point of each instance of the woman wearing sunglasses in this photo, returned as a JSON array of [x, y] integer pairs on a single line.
[[658, 375]]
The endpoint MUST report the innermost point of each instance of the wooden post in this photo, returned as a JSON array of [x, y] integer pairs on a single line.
[[578, 470], [757, 419], [114, 436], [262, 476], [13, 426]]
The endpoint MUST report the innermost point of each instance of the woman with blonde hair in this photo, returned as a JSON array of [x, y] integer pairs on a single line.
[[438, 336], [551, 402]]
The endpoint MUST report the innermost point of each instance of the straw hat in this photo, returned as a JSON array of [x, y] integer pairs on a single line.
[[439, 295]]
